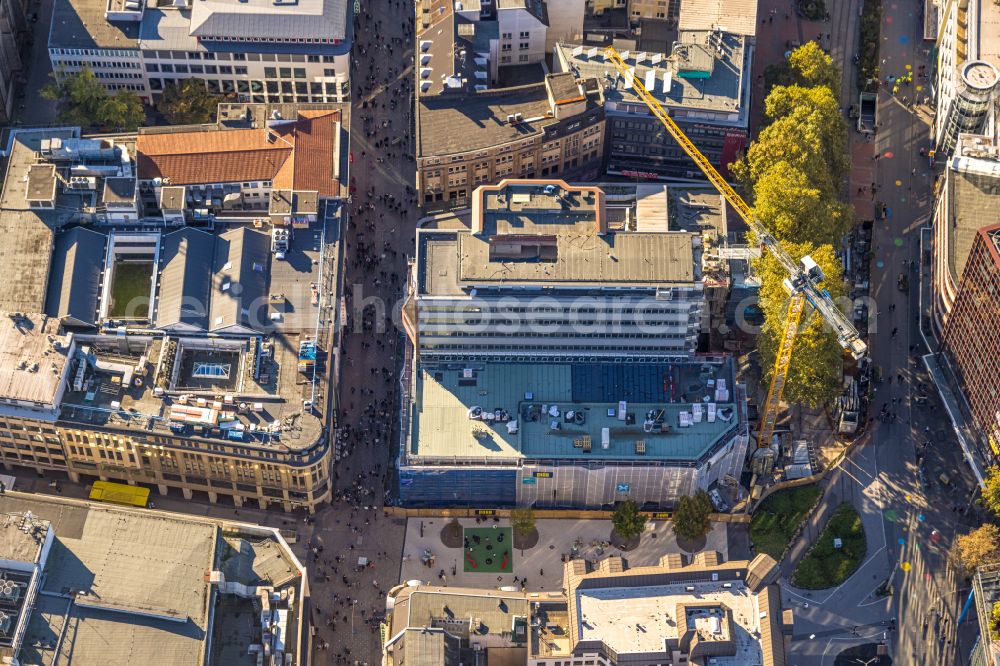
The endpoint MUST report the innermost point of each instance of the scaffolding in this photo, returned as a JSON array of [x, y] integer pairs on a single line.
[[986, 587]]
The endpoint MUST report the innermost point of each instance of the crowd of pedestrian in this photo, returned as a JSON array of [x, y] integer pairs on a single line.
[[348, 599]]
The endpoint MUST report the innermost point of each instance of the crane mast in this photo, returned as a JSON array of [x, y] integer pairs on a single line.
[[804, 281]]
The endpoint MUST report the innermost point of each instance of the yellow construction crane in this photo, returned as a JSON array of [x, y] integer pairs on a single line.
[[804, 281]]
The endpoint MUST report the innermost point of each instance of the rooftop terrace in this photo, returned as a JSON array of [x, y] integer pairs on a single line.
[[446, 397], [641, 619], [544, 232], [119, 391], [989, 32], [33, 358], [140, 586], [140, 582], [736, 16], [974, 183], [537, 206], [82, 24], [704, 72], [21, 539], [494, 621], [550, 630], [27, 232], [458, 122]]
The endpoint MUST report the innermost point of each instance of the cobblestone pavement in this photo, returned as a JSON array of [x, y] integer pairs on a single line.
[[32, 108], [540, 567], [778, 30], [349, 600]]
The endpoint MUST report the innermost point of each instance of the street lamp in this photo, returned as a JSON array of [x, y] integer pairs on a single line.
[[353, 604]]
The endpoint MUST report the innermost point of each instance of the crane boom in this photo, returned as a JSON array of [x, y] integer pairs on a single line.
[[804, 281], [802, 278]]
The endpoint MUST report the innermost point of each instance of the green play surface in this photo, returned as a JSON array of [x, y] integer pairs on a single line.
[[493, 553]]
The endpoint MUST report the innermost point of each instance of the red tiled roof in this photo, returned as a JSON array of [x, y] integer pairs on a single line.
[[300, 156], [315, 141], [223, 156]]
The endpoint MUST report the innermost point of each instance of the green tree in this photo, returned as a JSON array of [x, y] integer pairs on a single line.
[[691, 516], [814, 376], [786, 142], [627, 520], [796, 210], [522, 520], [995, 622], [83, 100], [795, 172], [188, 102], [991, 492], [818, 110], [806, 132], [979, 547], [810, 65]]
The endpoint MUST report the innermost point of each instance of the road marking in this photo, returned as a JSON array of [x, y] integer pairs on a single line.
[[879, 600], [856, 479], [820, 602], [874, 636], [806, 599], [866, 472]]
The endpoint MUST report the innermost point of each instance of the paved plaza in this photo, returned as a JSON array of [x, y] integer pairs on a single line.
[[541, 565]]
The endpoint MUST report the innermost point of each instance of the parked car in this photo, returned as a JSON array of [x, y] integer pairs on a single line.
[[717, 501]]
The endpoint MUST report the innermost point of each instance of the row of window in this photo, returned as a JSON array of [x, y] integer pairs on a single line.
[[425, 346], [194, 69], [88, 438], [433, 191], [293, 72], [104, 53], [195, 463], [300, 88], [263, 57], [96, 64], [272, 88], [272, 40], [605, 335], [73, 65], [612, 309], [506, 59], [527, 160], [522, 46]]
